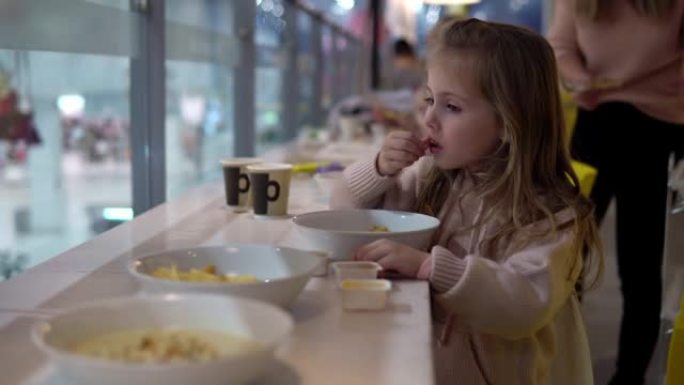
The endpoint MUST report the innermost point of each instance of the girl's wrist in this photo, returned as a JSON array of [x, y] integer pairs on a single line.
[[377, 165], [425, 268]]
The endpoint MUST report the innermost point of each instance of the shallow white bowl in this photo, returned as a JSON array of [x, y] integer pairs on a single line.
[[341, 232], [282, 272], [264, 323]]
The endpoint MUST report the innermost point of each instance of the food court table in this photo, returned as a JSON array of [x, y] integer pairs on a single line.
[[328, 345]]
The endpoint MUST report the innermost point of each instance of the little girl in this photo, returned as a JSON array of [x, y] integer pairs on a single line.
[[492, 165]]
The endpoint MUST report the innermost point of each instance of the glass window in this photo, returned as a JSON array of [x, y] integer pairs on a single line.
[[329, 70], [341, 11], [66, 109], [347, 56], [306, 62], [65, 165], [199, 91], [270, 58]]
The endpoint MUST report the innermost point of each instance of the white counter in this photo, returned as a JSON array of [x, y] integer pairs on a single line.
[[329, 345]]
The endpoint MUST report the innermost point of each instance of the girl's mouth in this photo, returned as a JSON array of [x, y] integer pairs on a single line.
[[432, 147]]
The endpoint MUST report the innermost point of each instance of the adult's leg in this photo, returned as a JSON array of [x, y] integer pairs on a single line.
[[592, 144], [645, 145]]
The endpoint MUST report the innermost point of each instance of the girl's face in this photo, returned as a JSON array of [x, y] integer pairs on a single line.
[[461, 125]]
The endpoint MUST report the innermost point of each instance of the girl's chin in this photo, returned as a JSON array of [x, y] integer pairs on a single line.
[[444, 163]]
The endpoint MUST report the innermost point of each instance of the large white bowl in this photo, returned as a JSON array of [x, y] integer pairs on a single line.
[[264, 323], [341, 232], [282, 272]]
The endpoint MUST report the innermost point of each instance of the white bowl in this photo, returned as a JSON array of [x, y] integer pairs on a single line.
[[341, 232], [265, 324], [281, 272]]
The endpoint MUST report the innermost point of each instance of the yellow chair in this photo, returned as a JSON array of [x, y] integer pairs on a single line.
[[586, 174], [675, 371]]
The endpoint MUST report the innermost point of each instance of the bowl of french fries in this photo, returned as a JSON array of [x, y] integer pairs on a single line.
[[271, 274]]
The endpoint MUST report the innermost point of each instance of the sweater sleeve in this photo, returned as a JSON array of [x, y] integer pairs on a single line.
[[563, 38], [363, 187], [513, 299]]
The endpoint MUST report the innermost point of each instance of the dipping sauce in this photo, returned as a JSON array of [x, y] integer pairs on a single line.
[[365, 284]]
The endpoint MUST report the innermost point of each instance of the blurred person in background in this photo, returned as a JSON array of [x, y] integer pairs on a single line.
[[397, 106], [622, 61], [402, 105], [406, 71]]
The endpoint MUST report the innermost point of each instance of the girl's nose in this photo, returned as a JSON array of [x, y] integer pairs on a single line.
[[430, 121]]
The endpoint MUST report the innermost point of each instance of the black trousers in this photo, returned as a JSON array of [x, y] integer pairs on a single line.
[[631, 152]]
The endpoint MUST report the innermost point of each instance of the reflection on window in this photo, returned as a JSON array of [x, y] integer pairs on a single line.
[[198, 123], [270, 57], [199, 92], [328, 69], [270, 24], [56, 181], [342, 11], [306, 61]]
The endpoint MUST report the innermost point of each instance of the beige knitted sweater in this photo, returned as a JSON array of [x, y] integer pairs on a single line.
[[513, 319]]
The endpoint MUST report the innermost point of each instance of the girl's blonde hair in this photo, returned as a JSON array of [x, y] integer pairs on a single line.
[[529, 177], [596, 9]]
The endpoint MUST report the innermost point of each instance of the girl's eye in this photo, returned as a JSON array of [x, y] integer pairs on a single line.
[[429, 101], [453, 108]]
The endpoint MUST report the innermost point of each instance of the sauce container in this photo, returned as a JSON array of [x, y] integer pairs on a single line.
[[365, 294], [355, 270]]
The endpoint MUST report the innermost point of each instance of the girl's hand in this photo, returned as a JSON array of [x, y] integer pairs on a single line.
[[399, 150], [577, 85], [393, 256], [588, 100], [605, 84]]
